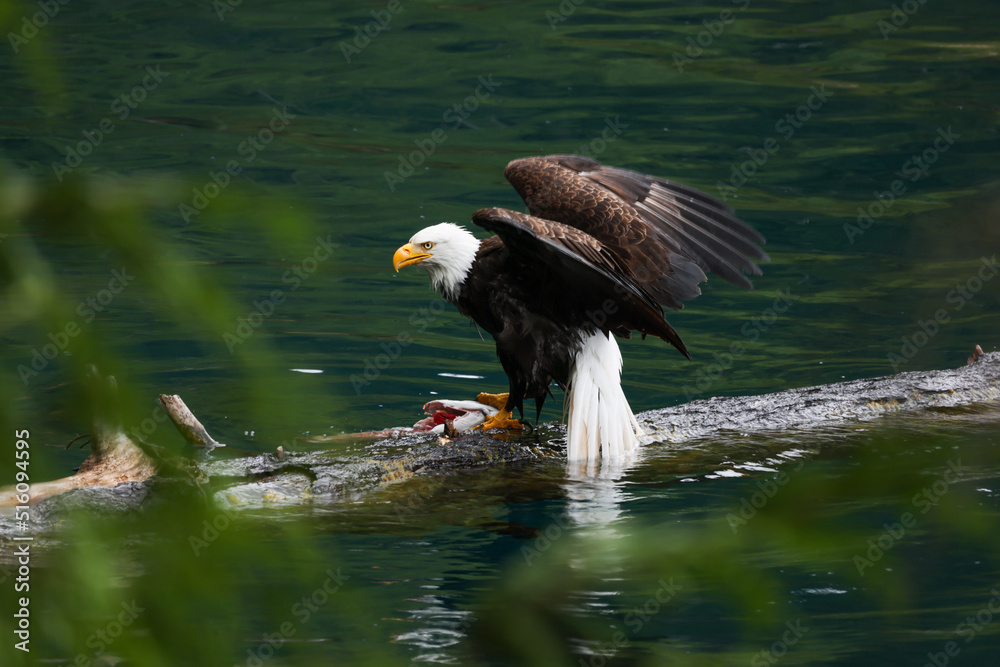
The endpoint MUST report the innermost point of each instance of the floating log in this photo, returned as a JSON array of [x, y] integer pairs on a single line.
[[114, 457], [117, 459], [829, 404]]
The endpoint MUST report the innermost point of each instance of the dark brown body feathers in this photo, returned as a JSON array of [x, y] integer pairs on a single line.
[[602, 249]]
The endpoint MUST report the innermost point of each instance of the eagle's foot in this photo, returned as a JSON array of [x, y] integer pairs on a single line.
[[501, 420], [498, 401]]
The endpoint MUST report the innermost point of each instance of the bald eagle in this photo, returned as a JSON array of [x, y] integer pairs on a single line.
[[599, 254]]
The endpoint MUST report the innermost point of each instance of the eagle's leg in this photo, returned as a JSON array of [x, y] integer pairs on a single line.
[[502, 419]]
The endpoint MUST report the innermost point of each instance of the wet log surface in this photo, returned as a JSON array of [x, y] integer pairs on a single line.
[[825, 405], [120, 478]]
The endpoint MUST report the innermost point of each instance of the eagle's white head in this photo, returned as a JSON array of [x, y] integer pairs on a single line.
[[446, 251]]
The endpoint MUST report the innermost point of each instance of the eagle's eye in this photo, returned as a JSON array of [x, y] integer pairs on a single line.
[[428, 245]]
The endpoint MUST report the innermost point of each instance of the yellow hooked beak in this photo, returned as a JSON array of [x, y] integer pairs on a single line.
[[407, 255]]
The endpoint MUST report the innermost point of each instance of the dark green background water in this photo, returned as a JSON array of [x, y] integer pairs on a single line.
[[560, 76]]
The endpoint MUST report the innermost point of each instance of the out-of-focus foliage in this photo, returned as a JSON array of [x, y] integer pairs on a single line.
[[86, 600], [90, 217], [85, 596]]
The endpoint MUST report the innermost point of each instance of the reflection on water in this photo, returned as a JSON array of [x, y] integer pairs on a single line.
[[594, 492], [594, 501], [439, 629]]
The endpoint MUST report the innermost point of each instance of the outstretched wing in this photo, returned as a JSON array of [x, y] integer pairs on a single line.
[[586, 270], [667, 235]]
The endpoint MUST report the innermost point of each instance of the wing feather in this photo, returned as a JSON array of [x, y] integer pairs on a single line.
[[666, 234], [587, 270]]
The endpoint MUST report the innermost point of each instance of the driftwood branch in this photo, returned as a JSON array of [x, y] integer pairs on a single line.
[[185, 421], [115, 458]]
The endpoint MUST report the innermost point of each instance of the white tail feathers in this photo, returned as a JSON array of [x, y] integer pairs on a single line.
[[600, 421]]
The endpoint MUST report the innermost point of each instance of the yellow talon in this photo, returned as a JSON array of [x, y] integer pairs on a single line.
[[498, 401], [501, 420]]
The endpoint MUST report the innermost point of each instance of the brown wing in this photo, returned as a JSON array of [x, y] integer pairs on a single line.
[[667, 235], [586, 268]]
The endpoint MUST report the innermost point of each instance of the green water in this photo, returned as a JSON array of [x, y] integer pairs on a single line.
[[451, 93]]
